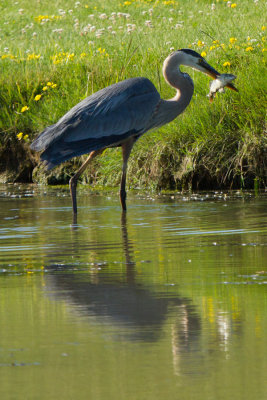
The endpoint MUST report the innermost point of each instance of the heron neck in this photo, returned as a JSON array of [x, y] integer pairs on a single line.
[[181, 82]]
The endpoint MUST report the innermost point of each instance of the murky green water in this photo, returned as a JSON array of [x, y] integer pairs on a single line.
[[170, 303]]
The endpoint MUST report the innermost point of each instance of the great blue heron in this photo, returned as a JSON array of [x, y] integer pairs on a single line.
[[117, 116]]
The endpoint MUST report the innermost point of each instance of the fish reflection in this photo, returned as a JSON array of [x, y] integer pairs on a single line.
[[121, 300]]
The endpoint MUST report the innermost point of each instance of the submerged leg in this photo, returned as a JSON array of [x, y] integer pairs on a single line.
[[126, 150], [73, 181]]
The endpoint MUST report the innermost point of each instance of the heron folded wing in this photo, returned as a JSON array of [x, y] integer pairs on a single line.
[[120, 108], [132, 115]]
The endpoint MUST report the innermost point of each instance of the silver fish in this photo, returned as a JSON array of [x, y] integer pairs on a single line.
[[219, 83]]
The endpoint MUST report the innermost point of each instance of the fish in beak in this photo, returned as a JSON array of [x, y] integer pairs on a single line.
[[209, 70], [219, 84]]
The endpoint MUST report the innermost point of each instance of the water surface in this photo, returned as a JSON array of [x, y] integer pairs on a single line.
[[168, 303]]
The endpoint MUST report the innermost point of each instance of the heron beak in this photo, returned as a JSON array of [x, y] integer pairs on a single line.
[[208, 69]]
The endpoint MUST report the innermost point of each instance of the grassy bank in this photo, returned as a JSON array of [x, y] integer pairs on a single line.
[[53, 54]]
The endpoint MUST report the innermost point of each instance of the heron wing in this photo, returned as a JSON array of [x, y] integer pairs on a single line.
[[118, 110]]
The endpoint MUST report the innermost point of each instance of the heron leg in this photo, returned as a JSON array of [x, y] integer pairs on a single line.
[[126, 150], [73, 181]]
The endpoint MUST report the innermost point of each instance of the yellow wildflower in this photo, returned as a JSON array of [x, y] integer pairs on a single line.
[[54, 86], [26, 137], [203, 54], [263, 28], [8, 56], [49, 83], [127, 3], [25, 108], [249, 48], [33, 57], [226, 64], [212, 47], [37, 97], [233, 5], [45, 88], [46, 18], [19, 135], [200, 43], [232, 40]]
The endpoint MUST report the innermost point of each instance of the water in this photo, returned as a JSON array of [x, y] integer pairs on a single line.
[[170, 303]]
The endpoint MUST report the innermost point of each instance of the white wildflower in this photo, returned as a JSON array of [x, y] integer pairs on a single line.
[[59, 30], [99, 32]]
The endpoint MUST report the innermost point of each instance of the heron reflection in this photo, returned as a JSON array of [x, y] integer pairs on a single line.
[[120, 298]]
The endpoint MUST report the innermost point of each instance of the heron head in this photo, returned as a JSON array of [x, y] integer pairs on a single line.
[[194, 60]]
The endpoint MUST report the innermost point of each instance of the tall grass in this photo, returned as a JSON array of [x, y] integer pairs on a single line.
[[66, 50]]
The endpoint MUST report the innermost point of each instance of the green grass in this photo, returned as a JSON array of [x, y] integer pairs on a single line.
[[222, 144]]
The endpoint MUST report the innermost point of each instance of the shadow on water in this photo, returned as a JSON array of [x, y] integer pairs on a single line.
[[137, 310]]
